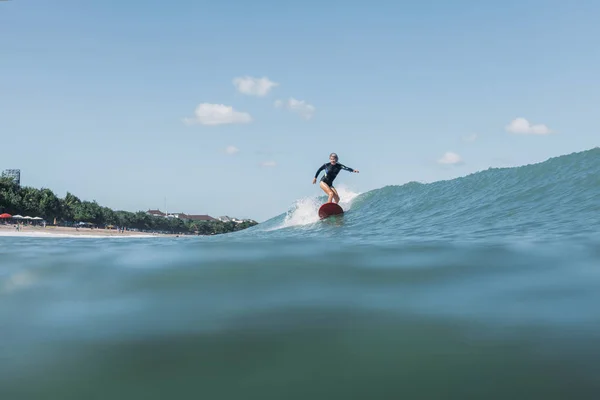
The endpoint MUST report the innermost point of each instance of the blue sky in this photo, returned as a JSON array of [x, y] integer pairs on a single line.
[[99, 98]]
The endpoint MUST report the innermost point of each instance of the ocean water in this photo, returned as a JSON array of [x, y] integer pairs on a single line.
[[486, 286]]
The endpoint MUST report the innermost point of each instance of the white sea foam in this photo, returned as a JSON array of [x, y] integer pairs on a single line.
[[305, 211]]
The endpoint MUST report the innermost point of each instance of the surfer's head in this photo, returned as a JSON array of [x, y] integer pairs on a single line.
[[333, 158]]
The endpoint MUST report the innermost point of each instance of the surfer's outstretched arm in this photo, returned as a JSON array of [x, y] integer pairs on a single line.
[[348, 168]]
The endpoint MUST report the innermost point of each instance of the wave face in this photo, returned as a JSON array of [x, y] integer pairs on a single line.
[[486, 286], [558, 197]]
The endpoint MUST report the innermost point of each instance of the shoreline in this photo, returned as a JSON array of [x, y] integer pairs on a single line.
[[63, 231]]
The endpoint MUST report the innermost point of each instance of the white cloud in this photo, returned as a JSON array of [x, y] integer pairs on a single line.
[[300, 107], [451, 158], [231, 150], [254, 86], [217, 114], [470, 138], [268, 164], [521, 125]]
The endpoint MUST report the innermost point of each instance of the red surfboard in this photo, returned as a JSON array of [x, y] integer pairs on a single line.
[[329, 209]]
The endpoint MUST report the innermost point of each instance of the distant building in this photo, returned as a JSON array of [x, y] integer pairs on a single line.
[[182, 216], [197, 217], [14, 174], [226, 218], [174, 215], [156, 213]]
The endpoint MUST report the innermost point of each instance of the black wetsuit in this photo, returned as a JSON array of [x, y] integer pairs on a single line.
[[331, 171]]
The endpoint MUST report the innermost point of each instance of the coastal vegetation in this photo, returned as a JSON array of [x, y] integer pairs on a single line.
[[70, 210]]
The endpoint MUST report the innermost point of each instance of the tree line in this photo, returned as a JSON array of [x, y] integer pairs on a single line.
[[43, 203]]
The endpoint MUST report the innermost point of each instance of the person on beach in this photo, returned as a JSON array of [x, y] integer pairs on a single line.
[[332, 168]]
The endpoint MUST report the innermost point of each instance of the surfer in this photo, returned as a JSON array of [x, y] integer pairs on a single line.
[[332, 168]]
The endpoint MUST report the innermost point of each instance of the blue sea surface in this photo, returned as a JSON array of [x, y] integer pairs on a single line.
[[485, 286]]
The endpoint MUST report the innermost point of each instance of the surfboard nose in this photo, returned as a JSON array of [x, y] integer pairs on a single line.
[[329, 209]]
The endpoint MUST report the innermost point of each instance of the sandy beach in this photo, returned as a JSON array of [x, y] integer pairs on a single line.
[[61, 231]]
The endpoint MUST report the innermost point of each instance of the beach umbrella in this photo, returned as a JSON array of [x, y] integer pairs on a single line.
[[5, 215], [27, 217], [37, 218], [17, 217]]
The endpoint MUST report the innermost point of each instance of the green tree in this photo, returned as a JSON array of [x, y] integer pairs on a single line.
[[50, 205], [30, 201], [88, 211], [10, 196], [68, 205], [44, 203]]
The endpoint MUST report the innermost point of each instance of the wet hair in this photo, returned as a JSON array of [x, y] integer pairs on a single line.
[[333, 155]]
